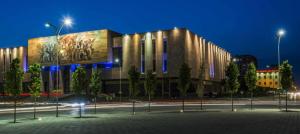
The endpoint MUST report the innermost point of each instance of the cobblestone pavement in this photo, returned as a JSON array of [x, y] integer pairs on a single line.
[[168, 122]]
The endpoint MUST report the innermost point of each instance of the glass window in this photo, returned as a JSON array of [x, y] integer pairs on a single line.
[[165, 47], [165, 56], [142, 56], [154, 55], [4, 63]]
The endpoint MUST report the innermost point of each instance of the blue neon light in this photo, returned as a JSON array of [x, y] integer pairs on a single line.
[[54, 68], [73, 67]]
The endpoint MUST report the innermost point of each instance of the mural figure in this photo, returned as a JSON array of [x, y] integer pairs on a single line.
[[71, 48]]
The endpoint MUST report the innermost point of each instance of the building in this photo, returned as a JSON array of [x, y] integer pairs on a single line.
[[268, 78], [161, 51], [243, 61], [6, 57]]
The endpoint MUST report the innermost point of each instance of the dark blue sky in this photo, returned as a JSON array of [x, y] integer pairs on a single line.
[[242, 27]]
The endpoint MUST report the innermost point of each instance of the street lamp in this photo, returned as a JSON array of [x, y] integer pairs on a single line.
[[120, 90], [67, 22], [280, 34]]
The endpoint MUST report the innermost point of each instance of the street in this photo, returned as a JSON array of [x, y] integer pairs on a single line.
[[165, 117]]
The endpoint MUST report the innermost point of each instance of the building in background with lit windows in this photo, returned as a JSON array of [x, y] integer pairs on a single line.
[[268, 78], [162, 51]]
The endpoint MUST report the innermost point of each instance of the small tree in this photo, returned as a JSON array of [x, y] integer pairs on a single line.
[[35, 84], [200, 86], [184, 81], [150, 85], [79, 83], [286, 79], [133, 77], [232, 82], [13, 83], [96, 85], [250, 80]]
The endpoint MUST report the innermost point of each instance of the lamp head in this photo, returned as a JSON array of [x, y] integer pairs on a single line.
[[68, 21], [117, 60], [47, 25], [281, 32]]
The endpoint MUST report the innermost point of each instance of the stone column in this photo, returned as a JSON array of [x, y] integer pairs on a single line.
[[50, 81], [60, 76], [71, 73]]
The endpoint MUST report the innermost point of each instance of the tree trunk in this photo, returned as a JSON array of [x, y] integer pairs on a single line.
[[79, 110], [79, 107], [15, 110], [34, 108], [95, 105], [286, 99], [162, 88], [56, 106], [279, 103], [251, 99], [232, 101], [201, 100], [182, 104], [133, 107], [149, 102]]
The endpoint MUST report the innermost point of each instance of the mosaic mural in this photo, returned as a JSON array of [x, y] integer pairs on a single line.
[[87, 47]]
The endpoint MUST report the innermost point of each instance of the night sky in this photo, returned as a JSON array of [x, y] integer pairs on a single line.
[[241, 27]]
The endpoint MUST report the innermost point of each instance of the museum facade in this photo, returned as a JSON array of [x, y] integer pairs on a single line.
[[162, 51]]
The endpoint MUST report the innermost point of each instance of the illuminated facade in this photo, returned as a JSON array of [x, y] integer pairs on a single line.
[[6, 57], [268, 78], [161, 51]]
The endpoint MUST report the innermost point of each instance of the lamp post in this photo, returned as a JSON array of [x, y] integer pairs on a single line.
[[280, 33], [120, 90], [68, 23]]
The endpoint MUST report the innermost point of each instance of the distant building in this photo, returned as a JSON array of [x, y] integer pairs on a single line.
[[268, 78], [243, 61]]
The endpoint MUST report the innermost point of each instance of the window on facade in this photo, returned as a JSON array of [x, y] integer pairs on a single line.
[[276, 83], [154, 55], [259, 83], [265, 83], [165, 55], [271, 83], [10, 57], [143, 56], [4, 59], [165, 47]]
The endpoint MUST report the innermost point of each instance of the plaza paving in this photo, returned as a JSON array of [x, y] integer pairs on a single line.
[[166, 121]]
